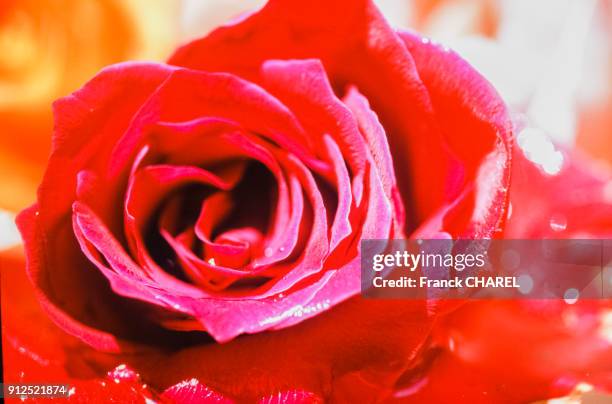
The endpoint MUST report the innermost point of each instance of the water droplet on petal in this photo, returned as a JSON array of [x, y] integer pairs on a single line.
[[558, 223], [571, 296], [509, 210], [281, 249], [268, 252], [212, 261], [122, 372]]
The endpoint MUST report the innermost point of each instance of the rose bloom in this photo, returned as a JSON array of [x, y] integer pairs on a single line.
[[196, 236]]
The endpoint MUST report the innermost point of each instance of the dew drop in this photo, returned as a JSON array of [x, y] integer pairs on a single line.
[[281, 249], [122, 372], [509, 210], [212, 261], [571, 296], [558, 223], [268, 252]]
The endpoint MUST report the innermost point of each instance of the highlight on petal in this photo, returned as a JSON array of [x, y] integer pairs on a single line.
[[192, 391]]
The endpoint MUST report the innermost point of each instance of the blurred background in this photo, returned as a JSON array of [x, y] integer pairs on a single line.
[[551, 60]]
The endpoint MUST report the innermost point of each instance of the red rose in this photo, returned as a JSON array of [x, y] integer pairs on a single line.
[[227, 193]]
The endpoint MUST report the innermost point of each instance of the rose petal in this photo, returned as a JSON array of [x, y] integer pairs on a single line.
[[464, 103], [193, 392]]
